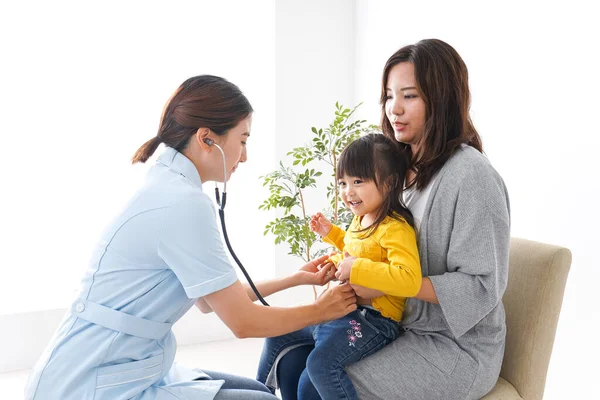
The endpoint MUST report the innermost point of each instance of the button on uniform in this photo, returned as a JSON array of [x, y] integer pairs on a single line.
[[79, 307]]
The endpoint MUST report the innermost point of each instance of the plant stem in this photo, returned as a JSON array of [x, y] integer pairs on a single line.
[[305, 228], [307, 237], [335, 190]]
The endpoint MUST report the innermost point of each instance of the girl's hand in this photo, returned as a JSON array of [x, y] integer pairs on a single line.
[[317, 272], [344, 267], [320, 225]]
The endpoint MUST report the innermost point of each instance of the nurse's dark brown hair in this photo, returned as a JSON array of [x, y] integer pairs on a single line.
[[203, 101], [443, 82]]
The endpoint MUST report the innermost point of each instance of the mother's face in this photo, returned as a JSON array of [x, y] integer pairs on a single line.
[[404, 106]]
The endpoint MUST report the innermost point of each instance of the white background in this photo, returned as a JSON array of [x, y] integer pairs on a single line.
[[82, 86]]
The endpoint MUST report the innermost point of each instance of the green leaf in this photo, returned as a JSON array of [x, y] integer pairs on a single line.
[[285, 184]]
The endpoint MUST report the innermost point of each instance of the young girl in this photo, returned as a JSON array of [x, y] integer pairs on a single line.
[[380, 260]]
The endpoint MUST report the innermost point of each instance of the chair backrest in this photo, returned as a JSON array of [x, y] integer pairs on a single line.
[[536, 283]]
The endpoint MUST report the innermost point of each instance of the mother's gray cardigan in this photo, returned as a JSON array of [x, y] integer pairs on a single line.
[[452, 350]]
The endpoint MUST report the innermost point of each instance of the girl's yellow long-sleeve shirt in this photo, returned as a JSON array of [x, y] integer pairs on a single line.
[[387, 260]]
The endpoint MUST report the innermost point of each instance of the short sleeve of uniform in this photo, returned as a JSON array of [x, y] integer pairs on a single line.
[[189, 242]]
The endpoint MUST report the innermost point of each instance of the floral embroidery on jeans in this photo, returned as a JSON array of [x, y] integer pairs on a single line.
[[354, 334]]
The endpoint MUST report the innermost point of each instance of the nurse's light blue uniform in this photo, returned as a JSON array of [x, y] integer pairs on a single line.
[[151, 264]]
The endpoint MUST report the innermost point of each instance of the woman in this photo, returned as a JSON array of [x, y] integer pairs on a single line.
[[162, 255], [454, 328]]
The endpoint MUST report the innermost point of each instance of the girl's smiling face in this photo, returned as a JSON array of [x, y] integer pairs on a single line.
[[362, 197]]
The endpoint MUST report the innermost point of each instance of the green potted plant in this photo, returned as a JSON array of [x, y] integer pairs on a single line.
[[288, 184]]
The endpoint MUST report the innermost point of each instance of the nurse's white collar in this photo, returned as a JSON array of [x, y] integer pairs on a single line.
[[176, 161]]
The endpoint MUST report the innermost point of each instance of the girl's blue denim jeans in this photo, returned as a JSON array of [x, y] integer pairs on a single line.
[[337, 344]]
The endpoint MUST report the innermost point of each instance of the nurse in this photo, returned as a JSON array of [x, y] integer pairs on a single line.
[[161, 255]]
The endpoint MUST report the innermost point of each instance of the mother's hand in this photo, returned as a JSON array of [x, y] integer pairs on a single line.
[[367, 293]]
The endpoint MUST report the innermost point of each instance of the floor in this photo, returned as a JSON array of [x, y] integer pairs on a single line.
[[235, 356]]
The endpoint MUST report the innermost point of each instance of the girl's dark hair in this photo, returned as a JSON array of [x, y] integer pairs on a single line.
[[380, 159], [203, 101], [443, 82]]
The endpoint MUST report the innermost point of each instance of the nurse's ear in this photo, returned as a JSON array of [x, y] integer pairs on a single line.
[[204, 139]]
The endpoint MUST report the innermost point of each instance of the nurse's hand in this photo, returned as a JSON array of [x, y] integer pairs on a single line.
[[336, 302], [317, 272]]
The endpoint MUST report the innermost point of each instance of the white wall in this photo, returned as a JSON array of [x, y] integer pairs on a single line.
[[534, 79], [315, 51], [83, 86]]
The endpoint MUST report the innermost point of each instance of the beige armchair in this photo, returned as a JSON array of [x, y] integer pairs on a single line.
[[536, 283]]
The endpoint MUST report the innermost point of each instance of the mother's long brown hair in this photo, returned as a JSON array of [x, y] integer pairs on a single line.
[[204, 101], [443, 82]]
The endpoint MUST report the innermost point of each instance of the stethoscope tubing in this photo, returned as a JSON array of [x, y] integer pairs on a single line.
[[221, 201], [237, 260]]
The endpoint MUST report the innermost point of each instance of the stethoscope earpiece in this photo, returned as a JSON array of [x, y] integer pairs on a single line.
[[220, 200]]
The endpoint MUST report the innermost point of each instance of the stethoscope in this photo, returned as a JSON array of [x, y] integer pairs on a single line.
[[221, 200]]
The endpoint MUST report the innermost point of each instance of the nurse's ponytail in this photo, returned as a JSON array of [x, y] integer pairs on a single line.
[[146, 151], [203, 101]]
